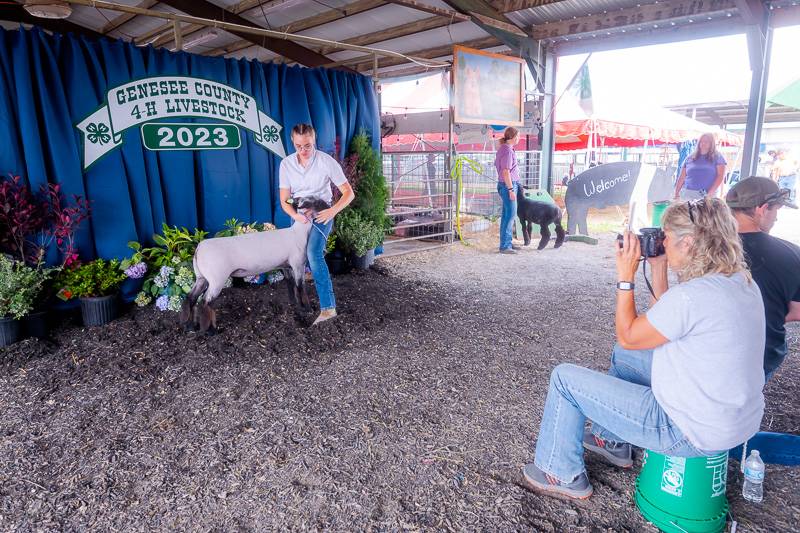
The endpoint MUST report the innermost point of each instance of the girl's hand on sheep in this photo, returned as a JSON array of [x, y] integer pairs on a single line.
[[326, 215]]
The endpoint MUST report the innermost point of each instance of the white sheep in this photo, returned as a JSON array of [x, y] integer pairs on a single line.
[[217, 259]]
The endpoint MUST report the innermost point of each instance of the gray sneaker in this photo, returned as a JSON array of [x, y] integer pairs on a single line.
[[508, 251], [535, 479], [618, 454]]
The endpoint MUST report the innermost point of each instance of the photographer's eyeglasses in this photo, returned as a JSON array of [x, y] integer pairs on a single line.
[[695, 204]]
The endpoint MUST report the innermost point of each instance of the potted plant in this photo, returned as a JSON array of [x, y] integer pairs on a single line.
[[96, 284], [358, 237], [364, 221], [19, 287], [334, 256], [37, 229]]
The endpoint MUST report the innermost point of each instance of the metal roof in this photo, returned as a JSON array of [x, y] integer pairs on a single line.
[[422, 28]]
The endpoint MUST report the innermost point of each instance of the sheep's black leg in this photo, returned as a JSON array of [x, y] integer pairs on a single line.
[[559, 235], [526, 231], [206, 317], [289, 278], [545, 231], [187, 307], [305, 303]]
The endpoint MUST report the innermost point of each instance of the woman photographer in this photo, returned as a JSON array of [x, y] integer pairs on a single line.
[[685, 378]]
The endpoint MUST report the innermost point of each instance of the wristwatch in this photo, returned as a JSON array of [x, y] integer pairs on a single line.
[[511, 188], [625, 285]]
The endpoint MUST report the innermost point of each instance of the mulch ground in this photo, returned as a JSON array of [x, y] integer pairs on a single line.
[[413, 410]]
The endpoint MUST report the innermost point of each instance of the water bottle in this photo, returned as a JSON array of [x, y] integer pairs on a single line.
[[753, 489]]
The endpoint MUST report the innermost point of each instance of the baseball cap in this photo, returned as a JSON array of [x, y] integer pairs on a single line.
[[755, 191]]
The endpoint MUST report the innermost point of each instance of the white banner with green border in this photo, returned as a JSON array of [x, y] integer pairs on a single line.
[[161, 97]]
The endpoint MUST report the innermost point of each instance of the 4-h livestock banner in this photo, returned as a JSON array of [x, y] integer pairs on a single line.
[[164, 97]]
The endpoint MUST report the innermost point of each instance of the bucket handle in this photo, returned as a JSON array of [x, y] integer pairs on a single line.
[[679, 527]]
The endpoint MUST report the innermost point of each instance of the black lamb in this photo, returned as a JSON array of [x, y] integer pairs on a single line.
[[542, 213]]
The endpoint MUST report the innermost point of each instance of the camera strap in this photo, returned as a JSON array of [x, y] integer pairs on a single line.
[[647, 281]]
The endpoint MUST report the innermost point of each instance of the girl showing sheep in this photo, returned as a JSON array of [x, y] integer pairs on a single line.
[[310, 173]]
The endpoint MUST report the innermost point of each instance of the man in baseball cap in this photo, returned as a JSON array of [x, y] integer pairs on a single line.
[[774, 263]]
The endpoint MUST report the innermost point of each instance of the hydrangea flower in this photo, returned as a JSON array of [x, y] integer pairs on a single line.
[[185, 278], [175, 260], [252, 279], [228, 283], [162, 278], [275, 276], [268, 226], [143, 299], [162, 302], [175, 303], [136, 271]]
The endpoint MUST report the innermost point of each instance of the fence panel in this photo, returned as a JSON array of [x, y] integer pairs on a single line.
[[479, 190], [420, 200]]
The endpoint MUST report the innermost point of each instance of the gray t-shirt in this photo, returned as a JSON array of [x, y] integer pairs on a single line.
[[313, 180], [709, 376]]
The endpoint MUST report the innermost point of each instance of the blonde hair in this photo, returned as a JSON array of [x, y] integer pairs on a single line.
[[712, 148], [716, 247], [508, 134]]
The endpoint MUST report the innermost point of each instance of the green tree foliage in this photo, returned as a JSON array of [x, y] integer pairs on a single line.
[[372, 193]]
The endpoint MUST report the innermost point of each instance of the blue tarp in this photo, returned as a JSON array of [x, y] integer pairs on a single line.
[[49, 83]]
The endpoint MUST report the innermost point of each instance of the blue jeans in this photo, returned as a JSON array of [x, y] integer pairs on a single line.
[[621, 406], [317, 240], [507, 218], [789, 182]]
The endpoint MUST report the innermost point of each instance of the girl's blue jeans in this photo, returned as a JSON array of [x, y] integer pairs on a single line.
[[507, 217], [789, 182], [620, 405], [317, 240]]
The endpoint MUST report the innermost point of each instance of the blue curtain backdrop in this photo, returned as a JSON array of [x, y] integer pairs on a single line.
[[49, 83]]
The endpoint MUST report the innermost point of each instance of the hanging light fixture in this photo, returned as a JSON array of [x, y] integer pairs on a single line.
[[48, 9]]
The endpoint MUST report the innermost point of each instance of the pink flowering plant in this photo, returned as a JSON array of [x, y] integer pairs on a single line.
[[31, 223]]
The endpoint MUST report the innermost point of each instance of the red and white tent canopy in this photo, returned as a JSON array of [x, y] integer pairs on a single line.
[[627, 124]]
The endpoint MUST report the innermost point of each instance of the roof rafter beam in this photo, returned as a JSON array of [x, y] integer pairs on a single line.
[[419, 6], [126, 17], [289, 49], [751, 11], [646, 16], [359, 6], [430, 53], [395, 32], [508, 6]]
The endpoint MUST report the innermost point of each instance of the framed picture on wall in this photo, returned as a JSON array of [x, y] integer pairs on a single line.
[[487, 88]]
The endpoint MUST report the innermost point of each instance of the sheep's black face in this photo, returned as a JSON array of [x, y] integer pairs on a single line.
[[310, 203]]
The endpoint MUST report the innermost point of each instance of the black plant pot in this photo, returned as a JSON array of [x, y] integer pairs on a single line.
[[35, 325], [363, 262], [98, 311], [9, 331], [337, 263]]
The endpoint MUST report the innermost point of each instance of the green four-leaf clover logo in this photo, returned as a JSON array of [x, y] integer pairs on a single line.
[[98, 133], [270, 134]]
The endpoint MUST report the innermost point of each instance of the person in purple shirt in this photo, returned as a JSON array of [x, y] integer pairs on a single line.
[[505, 162], [702, 172]]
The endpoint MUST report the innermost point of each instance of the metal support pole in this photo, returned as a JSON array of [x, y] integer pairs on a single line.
[[176, 27], [548, 124], [376, 85], [454, 202], [759, 45]]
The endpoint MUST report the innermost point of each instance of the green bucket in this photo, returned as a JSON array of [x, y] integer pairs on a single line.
[[658, 213], [683, 494]]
